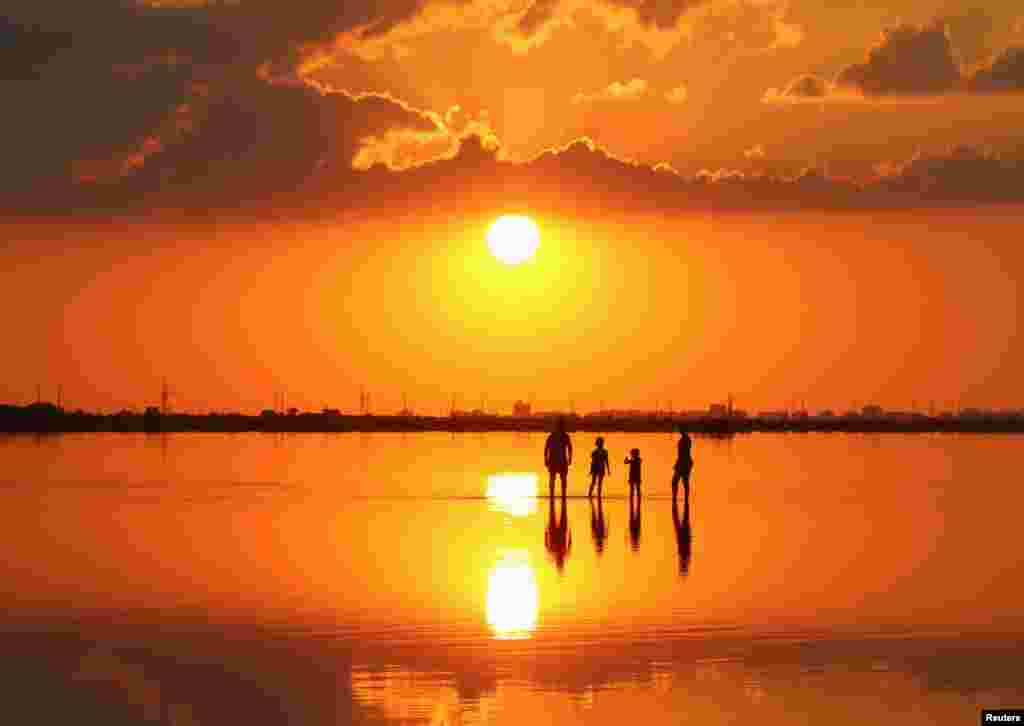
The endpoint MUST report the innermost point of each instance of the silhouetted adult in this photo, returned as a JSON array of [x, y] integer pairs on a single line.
[[684, 464], [684, 537], [634, 522], [558, 455], [557, 537], [598, 525]]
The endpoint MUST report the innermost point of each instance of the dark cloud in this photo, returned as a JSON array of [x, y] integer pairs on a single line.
[[217, 174], [965, 173], [535, 17], [911, 61], [801, 88], [908, 60], [660, 13], [1004, 74], [257, 141], [97, 90], [115, 107], [25, 49]]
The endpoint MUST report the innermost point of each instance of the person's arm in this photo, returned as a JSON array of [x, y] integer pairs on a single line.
[[547, 450], [568, 445]]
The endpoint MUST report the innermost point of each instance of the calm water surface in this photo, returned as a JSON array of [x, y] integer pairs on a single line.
[[377, 578]]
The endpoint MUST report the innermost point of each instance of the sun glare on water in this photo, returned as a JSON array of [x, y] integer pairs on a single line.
[[514, 494], [512, 598], [513, 238]]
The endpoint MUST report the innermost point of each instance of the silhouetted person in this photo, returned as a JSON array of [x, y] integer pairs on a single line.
[[598, 525], [599, 466], [684, 465], [634, 522], [634, 461], [683, 535], [558, 455], [557, 537]]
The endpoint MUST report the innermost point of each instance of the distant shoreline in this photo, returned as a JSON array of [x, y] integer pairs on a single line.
[[46, 418]]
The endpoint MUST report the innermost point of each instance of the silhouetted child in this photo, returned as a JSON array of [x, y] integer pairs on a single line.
[[634, 471], [599, 466]]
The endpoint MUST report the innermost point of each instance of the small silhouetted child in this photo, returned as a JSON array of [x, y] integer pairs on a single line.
[[599, 466], [634, 471]]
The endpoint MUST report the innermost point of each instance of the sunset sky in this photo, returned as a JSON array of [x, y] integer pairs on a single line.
[[783, 200]]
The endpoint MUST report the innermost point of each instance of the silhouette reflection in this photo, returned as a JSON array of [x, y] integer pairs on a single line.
[[683, 534], [634, 522], [557, 537], [598, 525]]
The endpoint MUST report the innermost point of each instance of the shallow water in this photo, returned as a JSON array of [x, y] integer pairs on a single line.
[[256, 578]]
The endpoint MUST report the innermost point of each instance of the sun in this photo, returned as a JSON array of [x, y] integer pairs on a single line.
[[513, 238]]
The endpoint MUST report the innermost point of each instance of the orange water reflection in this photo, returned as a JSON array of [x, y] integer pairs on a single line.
[[372, 563]]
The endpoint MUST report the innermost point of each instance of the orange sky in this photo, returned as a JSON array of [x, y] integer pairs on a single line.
[[835, 309], [784, 200]]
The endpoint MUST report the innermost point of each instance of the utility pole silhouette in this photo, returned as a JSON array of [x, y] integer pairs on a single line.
[[164, 397]]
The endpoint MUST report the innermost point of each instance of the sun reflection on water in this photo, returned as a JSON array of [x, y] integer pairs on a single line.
[[512, 597], [514, 494]]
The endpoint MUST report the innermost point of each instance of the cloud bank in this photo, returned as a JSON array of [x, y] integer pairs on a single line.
[[909, 62]]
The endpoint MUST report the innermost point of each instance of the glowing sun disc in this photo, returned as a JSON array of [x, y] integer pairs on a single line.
[[513, 238]]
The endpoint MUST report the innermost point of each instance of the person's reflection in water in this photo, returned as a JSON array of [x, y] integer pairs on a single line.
[[683, 535], [598, 525], [557, 537], [634, 522]]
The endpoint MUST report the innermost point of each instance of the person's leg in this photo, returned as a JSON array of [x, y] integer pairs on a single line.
[[593, 480], [600, 484], [564, 473], [551, 483], [675, 484]]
